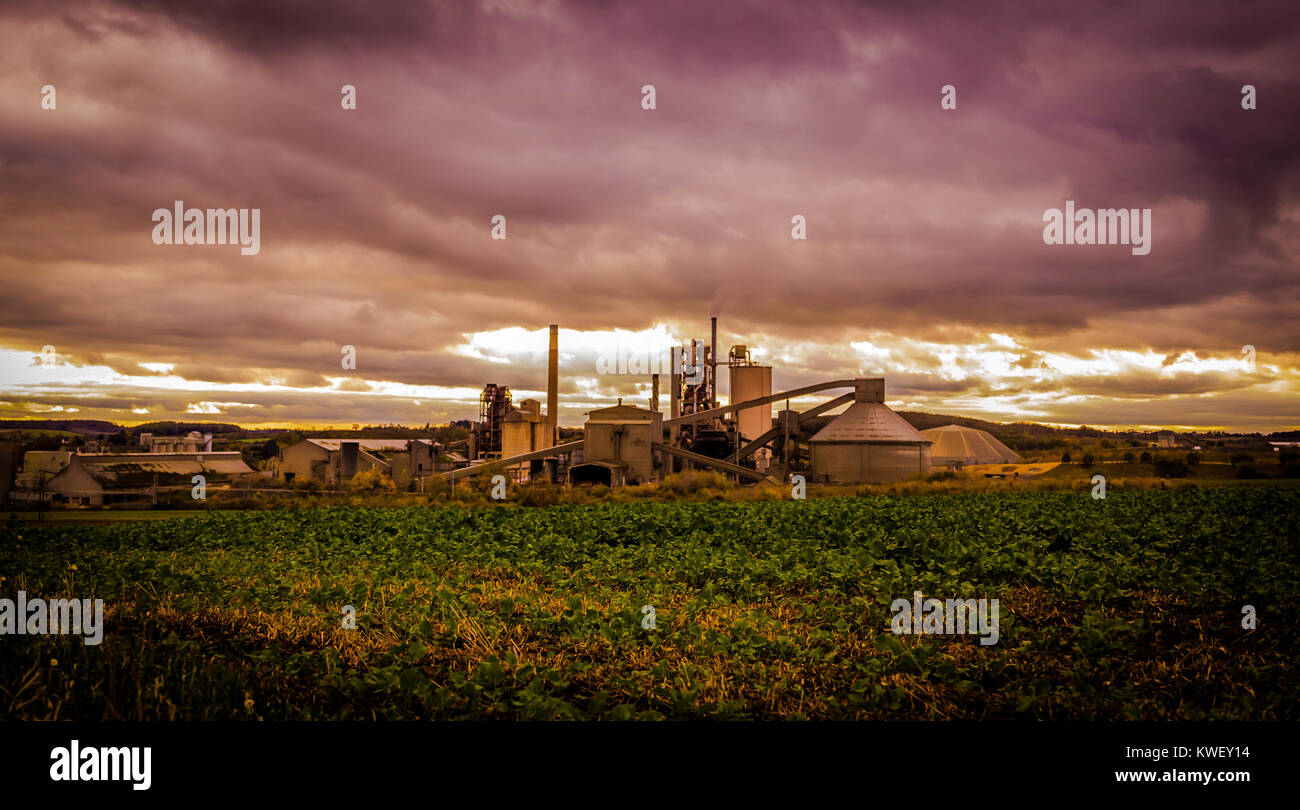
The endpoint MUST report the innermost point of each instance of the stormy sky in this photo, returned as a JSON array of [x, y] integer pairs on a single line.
[[924, 259]]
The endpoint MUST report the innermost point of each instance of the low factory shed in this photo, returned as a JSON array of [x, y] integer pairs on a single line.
[[95, 480]]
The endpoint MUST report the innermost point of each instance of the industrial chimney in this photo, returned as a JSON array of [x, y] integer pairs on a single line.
[[713, 363], [553, 386]]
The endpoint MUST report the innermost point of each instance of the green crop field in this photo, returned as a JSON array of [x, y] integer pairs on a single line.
[[1127, 607]]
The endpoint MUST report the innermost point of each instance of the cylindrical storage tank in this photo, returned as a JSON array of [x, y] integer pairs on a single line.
[[868, 443], [752, 382]]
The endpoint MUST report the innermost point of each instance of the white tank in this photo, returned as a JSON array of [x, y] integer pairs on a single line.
[[752, 382]]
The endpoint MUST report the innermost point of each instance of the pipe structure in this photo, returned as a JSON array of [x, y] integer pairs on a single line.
[[707, 461], [777, 431], [704, 416], [464, 472]]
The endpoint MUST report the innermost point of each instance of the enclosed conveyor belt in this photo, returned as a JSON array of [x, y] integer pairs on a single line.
[[725, 466], [776, 431], [714, 413], [545, 452]]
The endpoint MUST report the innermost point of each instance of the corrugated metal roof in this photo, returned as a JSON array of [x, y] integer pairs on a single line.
[[120, 472], [227, 466], [620, 413], [364, 444], [869, 422]]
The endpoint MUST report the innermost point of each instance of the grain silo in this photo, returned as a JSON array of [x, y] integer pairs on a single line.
[[750, 381], [868, 443]]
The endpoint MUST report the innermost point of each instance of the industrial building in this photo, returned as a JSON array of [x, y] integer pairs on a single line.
[[618, 444], [955, 446], [41, 465], [504, 431], [868, 443], [98, 479], [192, 442], [333, 462], [629, 445]]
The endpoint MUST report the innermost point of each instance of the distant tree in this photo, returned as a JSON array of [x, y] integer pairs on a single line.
[[1171, 468], [1193, 459], [1087, 460], [1241, 458], [1145, 458], [1065, 457], [1288, 457], [1129, 458], [372, 481], [118, 439], [270, 449]]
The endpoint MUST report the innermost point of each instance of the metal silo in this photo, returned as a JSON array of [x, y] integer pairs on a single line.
[[868, 443], [750, 381]]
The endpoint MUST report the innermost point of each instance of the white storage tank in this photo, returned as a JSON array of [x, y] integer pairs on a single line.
[[750, 382]]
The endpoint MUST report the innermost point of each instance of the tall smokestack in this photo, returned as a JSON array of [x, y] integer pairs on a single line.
[[675, 384], [713, 364], [553, 386]]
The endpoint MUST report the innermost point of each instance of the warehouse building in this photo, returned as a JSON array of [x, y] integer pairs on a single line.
[[617, 447], [333, 462], [98, 479]]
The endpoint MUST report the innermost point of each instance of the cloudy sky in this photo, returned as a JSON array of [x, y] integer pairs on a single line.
[[924, 260]]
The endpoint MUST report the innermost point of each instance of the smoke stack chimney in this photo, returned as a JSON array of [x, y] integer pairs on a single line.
[[713, 363], [207, 442], [675, 384], [553, 386]]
